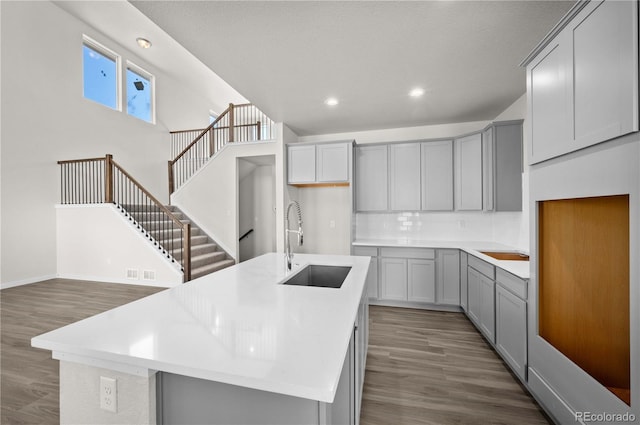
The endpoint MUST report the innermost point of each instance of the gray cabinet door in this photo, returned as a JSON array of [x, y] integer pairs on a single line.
[[404, 176], [548, 112], [507, 167], [474, 301], [372, 279], [332, 162], [605, 71], [463, 281], [421, 280], [301, 164], [488, 169], [511, 330], [487, 308], [393, 279], [371, 178], [437, 175], [469, 173], [448, 277]]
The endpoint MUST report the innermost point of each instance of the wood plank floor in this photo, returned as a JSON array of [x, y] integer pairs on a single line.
[[423, 367], [29, 378], [428, 367]]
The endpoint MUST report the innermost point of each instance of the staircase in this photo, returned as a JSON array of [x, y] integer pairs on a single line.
[[206, 256]]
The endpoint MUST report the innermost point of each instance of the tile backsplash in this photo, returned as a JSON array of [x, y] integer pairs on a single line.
[[506, 228]]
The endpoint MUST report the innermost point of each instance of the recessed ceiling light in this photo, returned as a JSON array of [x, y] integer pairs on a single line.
[[332, 101], [143, 42], [417, 92]]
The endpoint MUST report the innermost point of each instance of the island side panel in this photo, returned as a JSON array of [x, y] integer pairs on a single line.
[[185, 400], [80, 396]]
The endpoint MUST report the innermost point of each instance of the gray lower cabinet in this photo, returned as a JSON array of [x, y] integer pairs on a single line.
[[393, 279], [511, 321], [448, 276], [372, 276], [371, 178], [463, 281], [187, 400], [421, 280], [481, 296], [488, 308]]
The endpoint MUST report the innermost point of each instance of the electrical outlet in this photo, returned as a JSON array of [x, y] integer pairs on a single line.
[[332, 224], [108, 394]]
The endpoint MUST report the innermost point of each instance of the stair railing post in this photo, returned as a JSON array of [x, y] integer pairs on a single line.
[[171, 183], [231, 124], [259, 130], [186, 255], [212, 146], [108, 179]]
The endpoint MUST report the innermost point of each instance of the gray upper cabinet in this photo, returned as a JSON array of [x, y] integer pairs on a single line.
[[502, 166], [318, 163], [583, 83], [332, 162], [437, 175], [371, 178], [301, 164], [404, 176], [469, 173]]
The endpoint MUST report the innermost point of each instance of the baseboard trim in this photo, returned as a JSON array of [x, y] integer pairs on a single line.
[[6, 285], [118, 280], [413, 304], [557, 409]]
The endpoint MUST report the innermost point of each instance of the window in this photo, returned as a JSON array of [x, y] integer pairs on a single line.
[[212, 117], [101, 77], [140, 93]]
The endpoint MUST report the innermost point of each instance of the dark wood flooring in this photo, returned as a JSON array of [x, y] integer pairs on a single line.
[[428, 367], [29, 378], [423, 367]]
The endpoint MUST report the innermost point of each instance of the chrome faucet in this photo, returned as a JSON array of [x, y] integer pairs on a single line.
[[288, 254]]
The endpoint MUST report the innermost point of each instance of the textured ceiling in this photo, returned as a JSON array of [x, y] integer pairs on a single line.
[[288, 57]]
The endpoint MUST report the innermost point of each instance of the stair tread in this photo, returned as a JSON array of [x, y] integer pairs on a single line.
[[210, 268]]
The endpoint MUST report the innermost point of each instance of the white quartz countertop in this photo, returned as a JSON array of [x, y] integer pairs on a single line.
[[517, 268], [237, 326]]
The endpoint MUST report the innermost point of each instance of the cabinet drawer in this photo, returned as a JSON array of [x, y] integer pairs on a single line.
[[426, 253], [482, 266], [365, 250], [512, 283]]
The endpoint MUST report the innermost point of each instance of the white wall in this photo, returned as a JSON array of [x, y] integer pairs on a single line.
[[45, 119], [96, 242], [210, 197], [257, 211]]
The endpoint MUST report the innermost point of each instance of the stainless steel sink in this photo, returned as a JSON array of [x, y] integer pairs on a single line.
[[319, 275]]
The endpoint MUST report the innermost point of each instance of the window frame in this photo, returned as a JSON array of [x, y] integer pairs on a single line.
[[136, 69], [108, 53]]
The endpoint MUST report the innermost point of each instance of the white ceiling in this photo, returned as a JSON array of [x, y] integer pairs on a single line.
[[288, 57]]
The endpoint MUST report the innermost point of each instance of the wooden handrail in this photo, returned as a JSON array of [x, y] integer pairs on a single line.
[[74, 161], [200, 136], [237, 123], [157, 203], [82, 183], [186, 131]]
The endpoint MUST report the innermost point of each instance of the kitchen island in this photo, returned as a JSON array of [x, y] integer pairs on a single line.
[[237, 346]]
